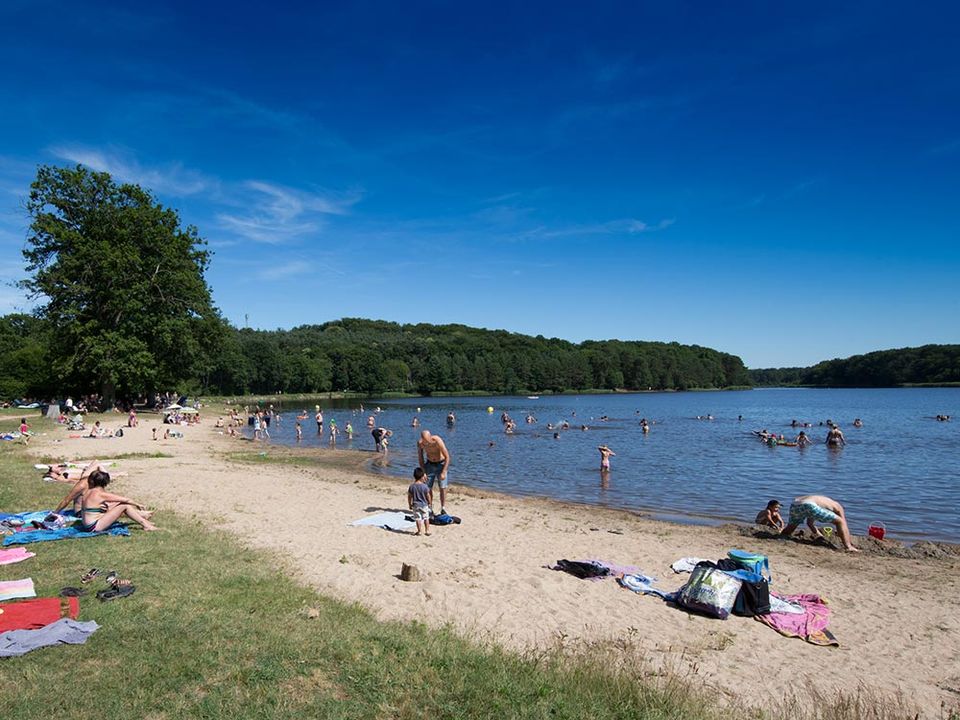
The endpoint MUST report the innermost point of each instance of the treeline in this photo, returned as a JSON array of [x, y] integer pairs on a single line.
[[373, 356], [370, 356], [929, 364]]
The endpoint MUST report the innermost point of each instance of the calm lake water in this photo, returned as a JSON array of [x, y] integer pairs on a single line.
[[900, 468]]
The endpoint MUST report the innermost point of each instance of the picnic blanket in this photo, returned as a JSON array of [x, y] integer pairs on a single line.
[[390, 520], [13, 589], [15, 555]]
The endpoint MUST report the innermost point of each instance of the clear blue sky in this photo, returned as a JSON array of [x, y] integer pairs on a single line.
[[779, 181]]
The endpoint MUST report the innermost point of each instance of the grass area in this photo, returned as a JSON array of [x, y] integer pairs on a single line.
[[217, 630]]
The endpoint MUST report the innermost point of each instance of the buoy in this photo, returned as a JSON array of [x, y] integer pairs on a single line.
[[490, 409]]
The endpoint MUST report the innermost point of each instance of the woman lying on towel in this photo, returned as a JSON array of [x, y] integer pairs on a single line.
[[100, 509]]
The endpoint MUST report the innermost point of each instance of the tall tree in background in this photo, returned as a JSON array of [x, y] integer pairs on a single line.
[[123, 285]]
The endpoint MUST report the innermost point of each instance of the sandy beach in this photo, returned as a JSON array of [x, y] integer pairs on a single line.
[[897, 618]]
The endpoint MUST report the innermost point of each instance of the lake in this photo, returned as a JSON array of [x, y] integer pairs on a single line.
[[900, 468]]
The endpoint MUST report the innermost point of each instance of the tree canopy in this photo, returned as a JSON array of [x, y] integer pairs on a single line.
[[928, 364], [374, 356], [121, 283]]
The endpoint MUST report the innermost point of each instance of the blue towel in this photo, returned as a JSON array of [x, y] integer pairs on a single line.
[[25, 538], [33, 536]]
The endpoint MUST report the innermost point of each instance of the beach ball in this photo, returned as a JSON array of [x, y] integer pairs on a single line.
[[490, 409]]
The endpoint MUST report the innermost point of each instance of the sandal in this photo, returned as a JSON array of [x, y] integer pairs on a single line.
[[116, 581], [116, 592], [88, 576]]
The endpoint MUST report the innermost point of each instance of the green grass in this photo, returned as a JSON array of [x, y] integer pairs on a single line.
[[217, 630]]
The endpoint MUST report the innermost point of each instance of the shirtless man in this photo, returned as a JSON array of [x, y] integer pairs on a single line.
[[435, 460], [809, 508]]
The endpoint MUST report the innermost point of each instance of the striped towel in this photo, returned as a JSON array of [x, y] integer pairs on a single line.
[[13, 589]]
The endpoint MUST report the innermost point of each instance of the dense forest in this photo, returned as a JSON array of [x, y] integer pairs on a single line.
[[929, 364], [371, 356]]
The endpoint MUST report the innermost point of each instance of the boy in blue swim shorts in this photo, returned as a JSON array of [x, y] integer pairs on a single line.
[[818, 508]]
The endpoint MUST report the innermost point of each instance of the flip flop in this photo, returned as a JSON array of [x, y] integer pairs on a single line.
[[90, 575], [72, 592], [116, 592]]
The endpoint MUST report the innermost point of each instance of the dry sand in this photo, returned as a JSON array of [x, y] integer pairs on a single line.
[[897, 619]]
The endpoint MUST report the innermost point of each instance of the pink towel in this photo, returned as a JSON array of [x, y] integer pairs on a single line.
[[811, 625], [14, 555]]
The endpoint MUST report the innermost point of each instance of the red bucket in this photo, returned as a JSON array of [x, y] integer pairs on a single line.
[[877, 530]]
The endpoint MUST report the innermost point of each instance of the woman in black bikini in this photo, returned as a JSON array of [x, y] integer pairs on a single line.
[[100, 509]]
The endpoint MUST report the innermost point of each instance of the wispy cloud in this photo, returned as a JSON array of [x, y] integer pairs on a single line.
[[277, 214], [169, 179], [285, 270], [626, 226]]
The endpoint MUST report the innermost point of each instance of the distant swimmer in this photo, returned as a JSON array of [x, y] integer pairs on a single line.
[[451, 419], [605, 455], [371, 421], [835, 437], [858, 423], [415, 422], [531, 419], [810, 508], [644, 426], [349, 430], [803, 440], [943, 418]]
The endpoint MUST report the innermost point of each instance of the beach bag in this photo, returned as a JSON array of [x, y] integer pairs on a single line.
[[444, 519], [753, 562], [754, 596], [710, 591], [118, 433]]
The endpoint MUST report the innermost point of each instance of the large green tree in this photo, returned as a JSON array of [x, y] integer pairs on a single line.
[[121, 284]]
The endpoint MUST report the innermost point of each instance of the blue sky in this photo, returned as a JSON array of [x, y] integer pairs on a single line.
[[779, 181]]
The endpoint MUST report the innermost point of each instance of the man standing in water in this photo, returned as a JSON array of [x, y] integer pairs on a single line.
[[811, 508], [434, 459]]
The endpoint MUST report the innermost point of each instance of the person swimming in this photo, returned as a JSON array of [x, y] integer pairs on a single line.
[[835, 437]]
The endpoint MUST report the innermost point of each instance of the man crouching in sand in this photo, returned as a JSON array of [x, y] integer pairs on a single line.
[[809, 508]]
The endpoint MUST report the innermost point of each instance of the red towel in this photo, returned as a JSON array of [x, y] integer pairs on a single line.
[[34, 614]]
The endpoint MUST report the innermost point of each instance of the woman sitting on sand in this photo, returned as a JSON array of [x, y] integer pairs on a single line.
[[100, 509]]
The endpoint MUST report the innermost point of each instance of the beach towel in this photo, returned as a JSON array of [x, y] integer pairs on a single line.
[[685, 565], [64, 631], [390, 520], [33, 614], [643, 585], [13, 589], [67, 533], [15, 555], [811, 625]]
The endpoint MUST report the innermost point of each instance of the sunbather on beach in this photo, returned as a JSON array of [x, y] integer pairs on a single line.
[[809, 508], [79, 486], [100, 509]]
